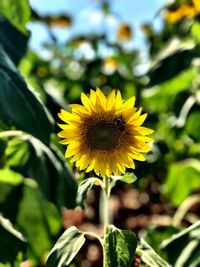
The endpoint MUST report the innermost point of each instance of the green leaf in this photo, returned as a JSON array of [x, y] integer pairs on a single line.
[[192, 127], [38, 219], [155, 234], [120, 247], [17, 12], [3, 145], [66, 248], [195, 31], [128, 178], [183, 249], [19, 106], [155, 98], [149, 256], [24, 204], [83, 189], [175, 57], [15, 50], [182, 179], [18, 153], [10, 177], [34, 159], [12, 242], [10, 193]]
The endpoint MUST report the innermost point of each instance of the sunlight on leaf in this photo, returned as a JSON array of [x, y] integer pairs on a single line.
[[66, 248], [17, 12], [149, 256], [120, 247]]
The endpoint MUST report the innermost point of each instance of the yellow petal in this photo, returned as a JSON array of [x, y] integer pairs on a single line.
[[79, 109], [133, 141], [144, 130], [68, 117], [86, 101], [119, 102], [83, 162], [67, 126], [62, 126], [93, 97], [121, 167], [128, 162], [139, 157], [129, 103], [65, 141], [128, 114], [91, 165], [69, 133], [71, 150], [144, 139], [101, 99], [140, 120], [111, 100]]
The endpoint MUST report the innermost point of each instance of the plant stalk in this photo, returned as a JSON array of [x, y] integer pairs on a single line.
[[106, 216]]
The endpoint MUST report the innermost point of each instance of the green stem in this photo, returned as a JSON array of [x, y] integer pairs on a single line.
[[106, 216]]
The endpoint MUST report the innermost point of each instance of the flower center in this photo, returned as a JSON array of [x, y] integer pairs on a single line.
[[103, 136]]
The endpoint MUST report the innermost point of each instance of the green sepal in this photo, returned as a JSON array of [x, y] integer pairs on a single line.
[[84, 187], [128, 178]]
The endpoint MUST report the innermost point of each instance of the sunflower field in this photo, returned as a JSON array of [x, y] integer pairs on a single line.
[[91, 113]]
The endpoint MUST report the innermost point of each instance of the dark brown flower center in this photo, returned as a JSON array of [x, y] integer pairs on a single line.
[[104, 135]]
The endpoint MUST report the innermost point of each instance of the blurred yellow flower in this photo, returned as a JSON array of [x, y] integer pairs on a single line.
[[184, 11], [196, 4], [61, 21], [104, 134], [124, 32], [110, 65]]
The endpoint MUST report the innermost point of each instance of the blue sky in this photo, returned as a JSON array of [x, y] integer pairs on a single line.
[[87, 18]]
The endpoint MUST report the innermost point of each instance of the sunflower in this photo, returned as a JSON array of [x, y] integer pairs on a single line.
[[104, 134]]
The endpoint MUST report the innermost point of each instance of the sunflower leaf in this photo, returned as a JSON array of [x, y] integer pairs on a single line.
[[120, 247], [177, 190], [9, 235], [176, 51], [183, 249], [128, 178], [149, 256], [19, 106], [66, 248], [16, 50], [17, 12], [84, 188], [34, 159], [38, 218]]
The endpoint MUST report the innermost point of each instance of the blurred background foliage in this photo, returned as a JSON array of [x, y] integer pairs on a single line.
[[38, 186]]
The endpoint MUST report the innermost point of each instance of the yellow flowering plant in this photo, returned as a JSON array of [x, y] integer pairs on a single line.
[[187, 10], [103, 129], [104, 135]]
